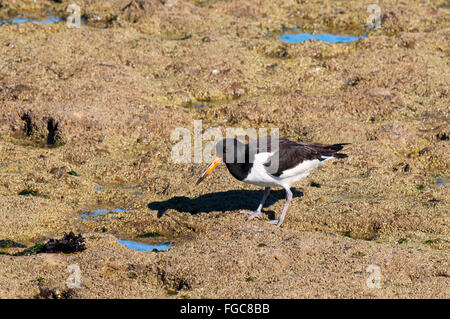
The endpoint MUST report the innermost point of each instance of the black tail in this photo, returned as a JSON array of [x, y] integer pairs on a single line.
[[337, 148], [340, 155]]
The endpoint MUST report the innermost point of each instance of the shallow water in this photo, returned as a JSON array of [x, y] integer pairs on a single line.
[[144, 247], [442, 181], [101, 212], [325, 37], [195, 105], [23, 19]]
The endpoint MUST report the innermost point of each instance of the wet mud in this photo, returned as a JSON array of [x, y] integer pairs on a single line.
[[87, 114]]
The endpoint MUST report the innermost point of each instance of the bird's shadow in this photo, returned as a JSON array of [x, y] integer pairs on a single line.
[[220, 201]]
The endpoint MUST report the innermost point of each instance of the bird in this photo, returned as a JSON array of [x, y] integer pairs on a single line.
[[271, 162]]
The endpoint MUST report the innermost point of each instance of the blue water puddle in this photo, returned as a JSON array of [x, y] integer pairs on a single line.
[[325, 37], [135, 188], [144, 247], [23, 19], [442, 181], [100, 212], [195, 105]]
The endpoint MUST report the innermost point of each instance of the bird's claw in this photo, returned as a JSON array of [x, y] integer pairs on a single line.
[[275, 222], [255, 214]]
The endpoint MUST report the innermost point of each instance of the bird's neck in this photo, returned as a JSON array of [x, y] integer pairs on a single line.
[[240, 170]]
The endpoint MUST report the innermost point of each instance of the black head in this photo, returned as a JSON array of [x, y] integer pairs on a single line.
[[231, 150], [234, 154]]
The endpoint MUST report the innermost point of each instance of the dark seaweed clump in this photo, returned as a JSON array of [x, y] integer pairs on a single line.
[[47, 293], [8, 243], [70, 243], [27, 192], [150, 234]]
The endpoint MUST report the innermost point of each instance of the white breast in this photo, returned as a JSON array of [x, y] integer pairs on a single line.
[[258, 174]]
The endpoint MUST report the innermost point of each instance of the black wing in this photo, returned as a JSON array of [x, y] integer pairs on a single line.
[[290, 154]]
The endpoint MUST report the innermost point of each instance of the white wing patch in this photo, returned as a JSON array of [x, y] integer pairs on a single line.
[[298, 172]]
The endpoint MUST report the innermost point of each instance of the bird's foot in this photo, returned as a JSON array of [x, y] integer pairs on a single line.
[[275, 222], [254, 214]]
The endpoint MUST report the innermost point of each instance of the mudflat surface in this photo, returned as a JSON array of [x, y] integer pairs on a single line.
[[86, 117]]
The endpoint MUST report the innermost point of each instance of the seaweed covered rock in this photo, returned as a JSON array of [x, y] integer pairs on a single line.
[[8, 243], [70, 243]]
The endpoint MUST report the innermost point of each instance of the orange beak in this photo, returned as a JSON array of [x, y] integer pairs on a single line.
[[217, 161]]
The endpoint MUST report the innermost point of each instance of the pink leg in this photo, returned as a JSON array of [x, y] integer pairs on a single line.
[[279, 221]]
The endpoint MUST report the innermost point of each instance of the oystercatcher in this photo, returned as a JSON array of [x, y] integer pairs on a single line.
[[271, 162]]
